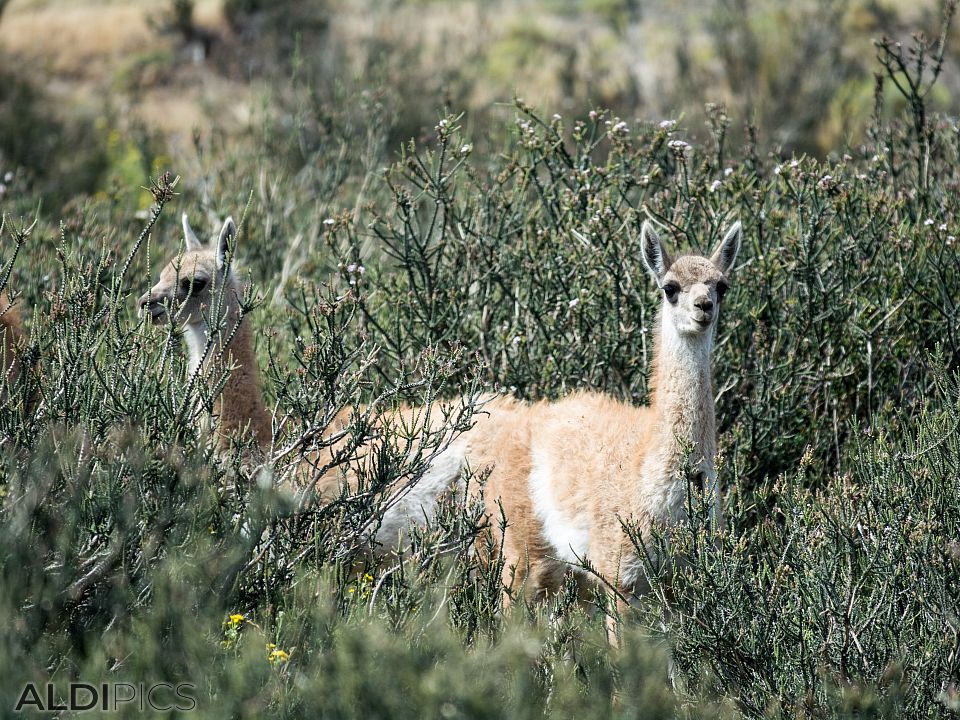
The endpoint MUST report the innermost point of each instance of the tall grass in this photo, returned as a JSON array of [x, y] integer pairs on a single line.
[[130, 550]]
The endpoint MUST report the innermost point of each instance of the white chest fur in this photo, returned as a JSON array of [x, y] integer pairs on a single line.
[[569, 537]]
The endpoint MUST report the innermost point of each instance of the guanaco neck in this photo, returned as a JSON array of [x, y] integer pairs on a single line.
[[682, 397], [11, 331], [240, 405]]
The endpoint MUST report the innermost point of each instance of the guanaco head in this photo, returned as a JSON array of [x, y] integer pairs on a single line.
[[692, 285], [192, 279]]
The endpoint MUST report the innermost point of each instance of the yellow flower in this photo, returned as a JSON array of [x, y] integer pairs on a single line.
[[235, 620], [278, 656]]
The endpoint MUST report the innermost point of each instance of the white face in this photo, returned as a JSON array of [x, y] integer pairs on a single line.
[[184, 292], [692, 290], [693, 286], [190, 281]]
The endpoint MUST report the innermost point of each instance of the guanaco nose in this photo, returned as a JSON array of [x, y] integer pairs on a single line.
[[705, 304], [149, 304]]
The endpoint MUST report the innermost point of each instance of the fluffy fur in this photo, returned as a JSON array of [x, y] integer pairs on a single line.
[[566, 474]]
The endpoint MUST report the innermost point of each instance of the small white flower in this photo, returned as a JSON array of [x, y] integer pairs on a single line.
[[556, 116], [727, 172], [465, 150], [8, 178], [678, 146], [776, 170], [351, 268], [329, 221], [668, 124], [928, 222], [573, 303], [794, 163], [942, 227], [361, 269], [593, 115], [516, 340], [715, 185]]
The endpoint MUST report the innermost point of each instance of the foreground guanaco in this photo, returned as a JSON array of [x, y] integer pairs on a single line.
[[566, 474], [569, 473]]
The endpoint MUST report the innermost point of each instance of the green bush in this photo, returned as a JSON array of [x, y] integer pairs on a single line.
[[130, 550], [60, 158]]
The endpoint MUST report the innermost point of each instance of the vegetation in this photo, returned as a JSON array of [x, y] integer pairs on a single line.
[[501, 256]]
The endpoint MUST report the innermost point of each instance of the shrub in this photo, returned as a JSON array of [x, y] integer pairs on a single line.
[[133, 551]]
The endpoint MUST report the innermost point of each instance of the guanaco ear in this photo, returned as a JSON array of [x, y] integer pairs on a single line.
[[726, 252], [654, 256], [224, 242], [193, 243]]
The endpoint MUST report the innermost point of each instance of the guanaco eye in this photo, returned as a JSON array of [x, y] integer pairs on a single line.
[[196, 285], [671, 290], [721, 289]]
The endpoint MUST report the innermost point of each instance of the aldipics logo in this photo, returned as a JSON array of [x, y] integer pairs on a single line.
[[110, 697]]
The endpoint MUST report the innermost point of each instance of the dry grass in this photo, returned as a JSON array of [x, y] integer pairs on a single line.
[[474, 54], [77, 50], [77, 40]]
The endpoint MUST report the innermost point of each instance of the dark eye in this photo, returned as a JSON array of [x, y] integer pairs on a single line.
[[721, 289], [196, 285], [671, 290]]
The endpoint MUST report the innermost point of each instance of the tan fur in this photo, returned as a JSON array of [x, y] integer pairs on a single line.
[[11, 334], [239, 407], [602, 460], [607, 462], [599, 448]]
